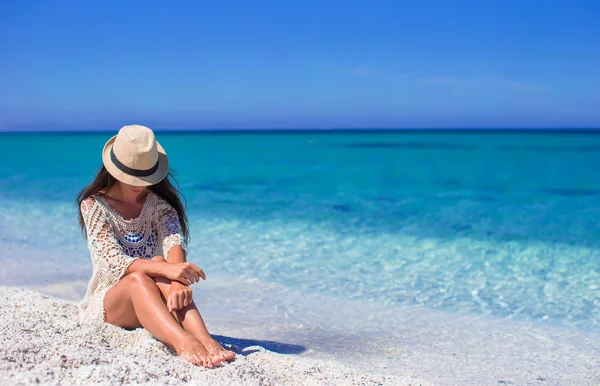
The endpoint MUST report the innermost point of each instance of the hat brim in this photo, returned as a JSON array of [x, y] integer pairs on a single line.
[[154, 178]]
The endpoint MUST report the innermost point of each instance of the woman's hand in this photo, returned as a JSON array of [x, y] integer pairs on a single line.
[[185, 273], [179, 297]]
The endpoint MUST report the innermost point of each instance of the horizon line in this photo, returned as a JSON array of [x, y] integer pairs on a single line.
[[324, 130]]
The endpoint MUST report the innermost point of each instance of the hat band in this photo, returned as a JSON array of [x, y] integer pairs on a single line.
[[132, 172]]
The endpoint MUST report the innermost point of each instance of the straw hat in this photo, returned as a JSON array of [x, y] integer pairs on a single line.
[[134, 157]]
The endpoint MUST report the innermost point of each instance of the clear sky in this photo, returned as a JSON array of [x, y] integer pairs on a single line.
[[299, 64]]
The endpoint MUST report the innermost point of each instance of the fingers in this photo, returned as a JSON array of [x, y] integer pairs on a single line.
[[179, 300], [189, 274], [193, 274], [188, 278], [173, 303], [176, 302], [198, 270], [184, 298]]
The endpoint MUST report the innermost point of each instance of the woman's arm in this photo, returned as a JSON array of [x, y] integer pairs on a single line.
[[185, 273], [174, 248], [176, 255], [180, 295], [149, 267], [170, 234]]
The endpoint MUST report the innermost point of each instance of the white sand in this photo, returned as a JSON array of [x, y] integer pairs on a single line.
[[325, 342], [41, 342]]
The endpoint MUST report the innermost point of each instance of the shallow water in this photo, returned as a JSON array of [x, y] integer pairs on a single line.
[[498, 224]]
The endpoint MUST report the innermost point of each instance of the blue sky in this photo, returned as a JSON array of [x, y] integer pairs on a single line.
[[306, 64]]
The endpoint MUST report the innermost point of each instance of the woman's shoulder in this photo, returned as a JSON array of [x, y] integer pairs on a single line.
[[90, 203]]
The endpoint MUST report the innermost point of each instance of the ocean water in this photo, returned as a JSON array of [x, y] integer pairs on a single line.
[[501, 225]]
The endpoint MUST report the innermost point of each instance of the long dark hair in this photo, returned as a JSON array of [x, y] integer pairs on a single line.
[[164, 189]]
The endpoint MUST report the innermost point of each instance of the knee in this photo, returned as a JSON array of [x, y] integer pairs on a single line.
[[140, 278]]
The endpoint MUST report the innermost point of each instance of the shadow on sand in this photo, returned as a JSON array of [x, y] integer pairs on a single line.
[[242, 344]]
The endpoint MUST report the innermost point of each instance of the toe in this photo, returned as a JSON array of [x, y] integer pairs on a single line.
[[216, 360], [190, 358]]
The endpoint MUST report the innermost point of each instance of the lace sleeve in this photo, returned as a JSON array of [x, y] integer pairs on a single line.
[[169, 228], [107, 253]]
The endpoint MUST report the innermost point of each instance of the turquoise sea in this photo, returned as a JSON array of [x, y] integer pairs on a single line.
[[495, 224]]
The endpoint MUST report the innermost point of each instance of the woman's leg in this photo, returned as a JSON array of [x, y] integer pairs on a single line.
[[192, 322], [136, 301]]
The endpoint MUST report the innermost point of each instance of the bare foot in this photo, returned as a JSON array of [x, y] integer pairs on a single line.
[[217, 351], [193, 351]]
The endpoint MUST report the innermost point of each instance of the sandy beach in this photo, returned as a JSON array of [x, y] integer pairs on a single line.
[[288, 343], [42, 343]]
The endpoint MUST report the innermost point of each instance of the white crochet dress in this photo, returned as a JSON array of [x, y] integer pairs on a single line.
[[115, 243]]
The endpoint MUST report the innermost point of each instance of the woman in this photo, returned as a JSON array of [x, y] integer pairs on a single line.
[[136, 230]]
